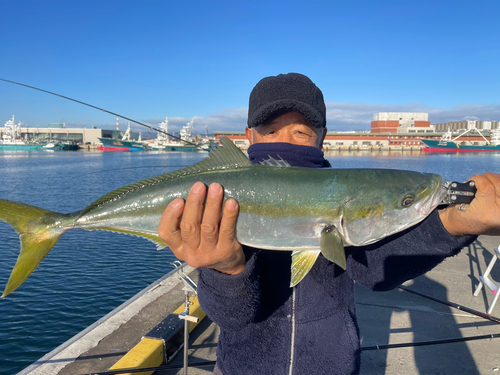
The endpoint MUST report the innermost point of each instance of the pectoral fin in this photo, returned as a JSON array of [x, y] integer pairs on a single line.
[[302, 262], [332, 247]]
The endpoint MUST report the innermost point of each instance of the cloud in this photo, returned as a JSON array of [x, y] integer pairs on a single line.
[[227, 120], [464, 112], [340, 116], [358, 116]]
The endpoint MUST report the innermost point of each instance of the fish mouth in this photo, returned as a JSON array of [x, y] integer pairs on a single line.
[[426, 206]]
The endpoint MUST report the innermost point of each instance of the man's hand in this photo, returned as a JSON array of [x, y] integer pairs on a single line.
[[482, 215], [201, 237]]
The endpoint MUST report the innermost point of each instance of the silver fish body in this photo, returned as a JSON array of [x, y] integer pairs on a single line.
[[303, 210]]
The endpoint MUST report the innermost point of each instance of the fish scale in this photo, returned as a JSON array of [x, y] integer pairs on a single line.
[[303, 210]]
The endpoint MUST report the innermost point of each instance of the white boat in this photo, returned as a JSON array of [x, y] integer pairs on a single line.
[[188, 141], [127, 143], [12, 139], [162, 137], [52, 146]]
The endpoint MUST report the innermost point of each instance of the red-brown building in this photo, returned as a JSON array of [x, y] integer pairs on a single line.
[[400, 122]]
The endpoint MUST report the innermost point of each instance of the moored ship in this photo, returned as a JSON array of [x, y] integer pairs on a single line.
[[447, 144], [127, 143], [12, 140], [188, 142]]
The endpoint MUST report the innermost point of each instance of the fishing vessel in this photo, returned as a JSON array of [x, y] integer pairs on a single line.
[[52, 146], [449, 144], [12, 139], [61, 146], [188, 142], [127, 143]]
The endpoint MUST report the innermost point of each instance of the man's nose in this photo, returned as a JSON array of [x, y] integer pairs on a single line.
[[285, 136]]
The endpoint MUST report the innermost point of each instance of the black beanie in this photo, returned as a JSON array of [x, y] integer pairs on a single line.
[[292, 92]]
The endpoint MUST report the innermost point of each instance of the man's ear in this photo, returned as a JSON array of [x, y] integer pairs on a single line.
[[248, 133]]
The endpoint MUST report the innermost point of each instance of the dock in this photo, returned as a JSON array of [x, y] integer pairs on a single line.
[[385, 318]]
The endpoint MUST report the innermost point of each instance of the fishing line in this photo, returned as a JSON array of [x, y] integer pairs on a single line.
[[100, 109]]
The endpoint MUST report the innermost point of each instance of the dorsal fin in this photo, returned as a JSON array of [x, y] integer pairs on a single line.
[[229, 156]]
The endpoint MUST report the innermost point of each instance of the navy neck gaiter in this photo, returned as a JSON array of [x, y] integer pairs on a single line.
[[295, 155]]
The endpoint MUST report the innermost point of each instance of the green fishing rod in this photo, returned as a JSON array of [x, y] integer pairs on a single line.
[[101, 109]]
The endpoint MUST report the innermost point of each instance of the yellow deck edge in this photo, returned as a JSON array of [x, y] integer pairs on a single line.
[[150, 352], [147, 353]]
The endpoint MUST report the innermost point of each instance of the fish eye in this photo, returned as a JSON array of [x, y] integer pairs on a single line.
[[408, 200]]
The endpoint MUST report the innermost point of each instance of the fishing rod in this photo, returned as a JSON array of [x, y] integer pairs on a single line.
[[100, 109], [364, 348], [431, 342], [451, 304]]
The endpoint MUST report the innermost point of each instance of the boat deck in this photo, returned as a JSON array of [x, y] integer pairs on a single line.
[[385, 318]]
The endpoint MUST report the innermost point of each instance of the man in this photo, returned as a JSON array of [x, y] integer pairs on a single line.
[[266, 326]]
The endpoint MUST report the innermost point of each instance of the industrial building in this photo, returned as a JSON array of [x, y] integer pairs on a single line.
[[401, 122], [458, 126], [57, 132]]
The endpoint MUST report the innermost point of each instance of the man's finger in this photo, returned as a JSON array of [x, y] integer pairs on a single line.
[[494, 179], [228, 222], [191, 218], [485, 188], [168, 230], [211, 216], [483, 215]]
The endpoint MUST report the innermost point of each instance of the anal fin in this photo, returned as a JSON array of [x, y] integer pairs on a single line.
[[302, 262]]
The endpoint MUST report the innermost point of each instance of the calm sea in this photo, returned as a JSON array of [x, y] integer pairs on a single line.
[[88, 274]]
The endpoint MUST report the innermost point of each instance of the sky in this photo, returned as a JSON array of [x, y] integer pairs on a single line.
[[198, 60]]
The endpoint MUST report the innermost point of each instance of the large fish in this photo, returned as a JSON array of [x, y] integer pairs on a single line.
[[304, 210]]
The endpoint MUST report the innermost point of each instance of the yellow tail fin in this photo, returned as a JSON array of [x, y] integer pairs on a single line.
[[38, 229]]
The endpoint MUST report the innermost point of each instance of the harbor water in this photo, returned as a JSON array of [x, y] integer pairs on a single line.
[[89, 273]]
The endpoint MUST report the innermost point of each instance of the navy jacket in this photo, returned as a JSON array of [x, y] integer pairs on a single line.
[[269, 328]]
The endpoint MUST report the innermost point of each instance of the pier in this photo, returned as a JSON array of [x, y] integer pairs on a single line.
[[396, 318]]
